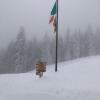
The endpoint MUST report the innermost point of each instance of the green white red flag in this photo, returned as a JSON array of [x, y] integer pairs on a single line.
[[53, 16]]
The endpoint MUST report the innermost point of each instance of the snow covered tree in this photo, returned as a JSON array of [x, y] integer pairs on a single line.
[[20, 56], [52, 49], [67, 44], [96, 42], [9, 57], [45, 47], [76, 44], [61, 49], [86, 41], [32, 53]]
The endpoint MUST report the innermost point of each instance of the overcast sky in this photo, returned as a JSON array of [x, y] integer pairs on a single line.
[[34, 16]]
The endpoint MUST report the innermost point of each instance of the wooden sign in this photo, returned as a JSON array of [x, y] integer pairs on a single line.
[[40, 68]]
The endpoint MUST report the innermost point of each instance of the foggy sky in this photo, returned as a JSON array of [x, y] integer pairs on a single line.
[[33, 15]]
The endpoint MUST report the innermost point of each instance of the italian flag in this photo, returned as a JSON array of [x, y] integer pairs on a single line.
[[53, 16]]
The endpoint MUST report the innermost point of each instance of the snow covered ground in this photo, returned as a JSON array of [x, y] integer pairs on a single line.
[[75, 80]]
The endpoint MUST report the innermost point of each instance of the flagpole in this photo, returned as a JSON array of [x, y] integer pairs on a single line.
[[56, 61]]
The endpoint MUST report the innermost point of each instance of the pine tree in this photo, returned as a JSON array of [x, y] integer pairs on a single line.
[[20, 56]]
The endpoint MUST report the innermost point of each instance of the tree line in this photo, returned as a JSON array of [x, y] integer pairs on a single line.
[[21, 55]]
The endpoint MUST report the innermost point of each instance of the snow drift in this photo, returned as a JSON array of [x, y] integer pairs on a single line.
[[78, 79]]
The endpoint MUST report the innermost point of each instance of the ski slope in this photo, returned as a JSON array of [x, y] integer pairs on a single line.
[[75, 80]]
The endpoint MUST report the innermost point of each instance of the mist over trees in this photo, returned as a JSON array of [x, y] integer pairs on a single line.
[[21, 55]]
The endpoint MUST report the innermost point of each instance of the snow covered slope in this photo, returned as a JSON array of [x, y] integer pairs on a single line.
[[75, 80]]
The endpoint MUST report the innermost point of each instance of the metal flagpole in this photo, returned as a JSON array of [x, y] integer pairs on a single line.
[[56, 62]]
